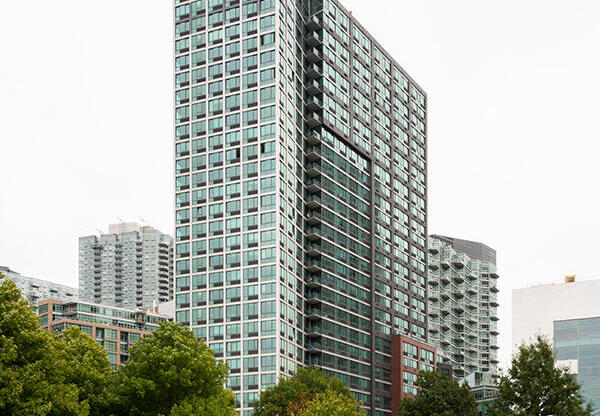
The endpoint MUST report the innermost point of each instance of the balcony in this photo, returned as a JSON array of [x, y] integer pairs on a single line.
[[460, 260], [313, 38], [313, 281], [314, 104], [313, 170], [313, 137], [313, 185], [313, 250], [313, 201], [313, 55], [313, 266], [314, 87], [313, 233], [313, 119], [313, 153], [313, 71], [314, 23], [433, 292], [313, 217]]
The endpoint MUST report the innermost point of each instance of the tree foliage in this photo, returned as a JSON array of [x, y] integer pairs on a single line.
[[41, 374], [290, 396], [171, 373], [535, 385], [439, 396], [331, 403]]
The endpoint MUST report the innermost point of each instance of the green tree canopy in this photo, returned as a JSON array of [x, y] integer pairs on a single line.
[[535, 385], [41, 374], [170, 372], [332, 403], [439, 396], [290, 396]]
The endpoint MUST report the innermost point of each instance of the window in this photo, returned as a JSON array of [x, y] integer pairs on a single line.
[[250, 99], [267, 41], [215, 54], [231, 85], [267, 184], [267, 167], [215, 19], [232, 49], [267, 58], [267, 76], [267, 23], [249, 117], [267, 220], [267, 291], [232, 32], [250, 10], [268, 346], [268, 131], [267, 273], [267, 255], [267, 95], [232, 67], [250, 63], [267, 114]]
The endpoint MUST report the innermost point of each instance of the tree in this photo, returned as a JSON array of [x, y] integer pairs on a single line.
[[41, 374], [290, 396], [332, 403], [535, 385], [170, 372], [84, 364], [439, 396]]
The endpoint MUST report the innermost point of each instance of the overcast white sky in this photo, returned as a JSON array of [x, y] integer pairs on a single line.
[[513, 87]]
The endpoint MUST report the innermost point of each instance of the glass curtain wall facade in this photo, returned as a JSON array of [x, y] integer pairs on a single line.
[[300, 175], [579, 340], [463, 309]]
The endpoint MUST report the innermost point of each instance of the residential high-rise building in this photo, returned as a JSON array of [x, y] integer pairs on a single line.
[[409, 357], [463, 304], [130, 267], [568, 315], [35, 289], [300, 205], [116, 329]]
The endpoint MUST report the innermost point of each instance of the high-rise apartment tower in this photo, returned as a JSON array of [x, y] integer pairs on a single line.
[[463, 304], [130, 267], [300, 176]]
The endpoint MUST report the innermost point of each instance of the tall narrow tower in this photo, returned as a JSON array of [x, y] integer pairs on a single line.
[[300, 205]]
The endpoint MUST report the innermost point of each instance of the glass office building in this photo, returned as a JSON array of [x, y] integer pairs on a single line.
[[578, 341], [300, 204], [463, 304]]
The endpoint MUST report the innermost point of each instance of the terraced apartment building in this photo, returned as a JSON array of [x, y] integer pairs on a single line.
[[300, 193], [463, 304]]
